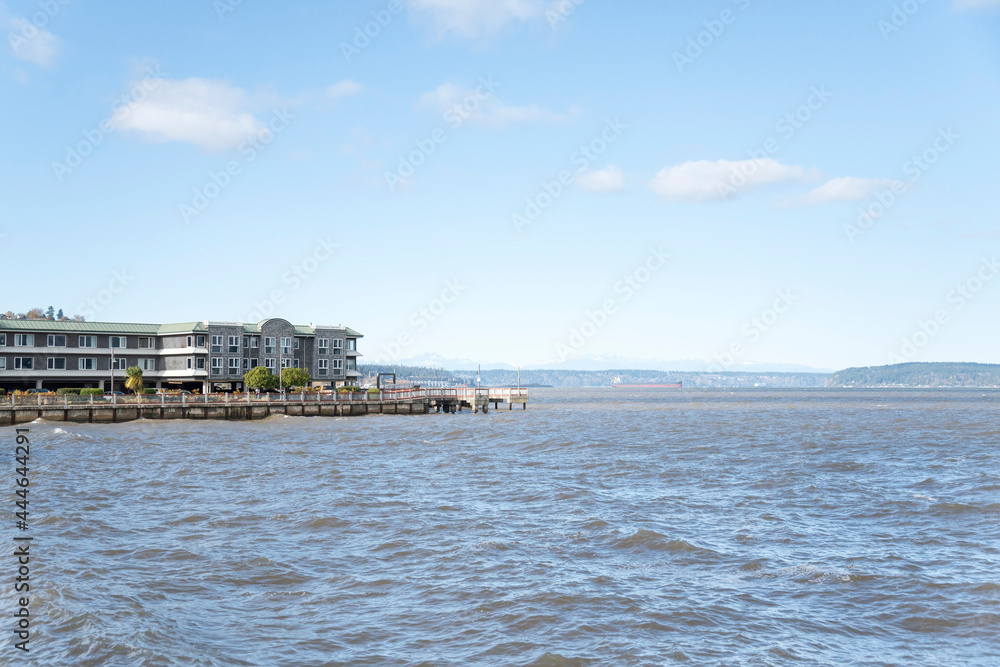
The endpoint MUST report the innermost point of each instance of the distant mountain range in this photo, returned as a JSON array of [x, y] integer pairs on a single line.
[[916, 375], [608, 362]]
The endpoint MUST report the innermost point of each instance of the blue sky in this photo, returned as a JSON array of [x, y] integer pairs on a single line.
[[503, 181]]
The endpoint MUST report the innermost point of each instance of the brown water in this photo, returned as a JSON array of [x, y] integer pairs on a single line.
[[603, 527]]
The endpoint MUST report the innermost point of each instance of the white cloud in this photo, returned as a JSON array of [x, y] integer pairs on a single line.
[[31, 44], [705, 180], [344, 88], [208, 113], [604, 181], [479, 105], [976, 4], [846, 188], [477, 18]]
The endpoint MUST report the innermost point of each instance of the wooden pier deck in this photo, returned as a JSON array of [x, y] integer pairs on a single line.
[[112, 409]]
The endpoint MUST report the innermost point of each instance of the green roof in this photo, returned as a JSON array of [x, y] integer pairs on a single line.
[[100, 327], [127, 328]]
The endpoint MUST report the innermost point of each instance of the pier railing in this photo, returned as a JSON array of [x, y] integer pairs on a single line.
[[512, 395]]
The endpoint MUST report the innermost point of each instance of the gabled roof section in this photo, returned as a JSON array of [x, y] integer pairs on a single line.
[[351, 332], [88, 327]]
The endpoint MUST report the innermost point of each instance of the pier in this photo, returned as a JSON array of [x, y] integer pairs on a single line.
[[113, 409]]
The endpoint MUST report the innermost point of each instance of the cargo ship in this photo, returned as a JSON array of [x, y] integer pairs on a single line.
[[665, 385]]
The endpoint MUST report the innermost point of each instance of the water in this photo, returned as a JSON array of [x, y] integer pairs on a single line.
[[599, 527]]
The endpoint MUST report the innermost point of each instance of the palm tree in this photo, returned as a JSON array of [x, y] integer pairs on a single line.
[[134, 379]]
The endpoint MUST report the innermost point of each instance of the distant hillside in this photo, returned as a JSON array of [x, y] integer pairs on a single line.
[[937, 374]]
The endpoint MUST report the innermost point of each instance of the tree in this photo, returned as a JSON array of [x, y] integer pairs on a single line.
[[260, 378], [134, 380], [60, 316], [36, 314], [78, 318], [294, 377], [50, 314]]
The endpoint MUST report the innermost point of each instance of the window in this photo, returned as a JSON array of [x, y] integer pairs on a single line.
[[190, 340], [149, 364], [338, 345], [199, 363], [88, 341], [56, 341], [234, 365], [24, 363], [246, 364], [118, 341], [286, 345], [216, 343], [200, 341], [285, 363], [57, 363], [351, 365], [269, 363], [338, 365], [87, 364], [234, 344], [246, 341], [3, 363], [296, 363], [3, 339], [146, 343], [255, 342], [216, 365], [190, 363], [296, 343], [268, 345], [323, 366], [24, 340], [352, 344], [118, 364], [324, 346]]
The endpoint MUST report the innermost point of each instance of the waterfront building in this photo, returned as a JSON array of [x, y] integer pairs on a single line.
[[206, 356]]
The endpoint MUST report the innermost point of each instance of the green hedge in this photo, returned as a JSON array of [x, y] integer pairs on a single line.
[[149, 390], [3, 392], [373, 390], [92, 392], [350, 389], [68, 390]]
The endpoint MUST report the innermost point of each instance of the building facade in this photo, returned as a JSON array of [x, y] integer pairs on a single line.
[[207, 356]]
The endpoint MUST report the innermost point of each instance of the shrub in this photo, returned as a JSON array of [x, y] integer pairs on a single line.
[[68, 390], [149, 390], [3, 392], [373, 390], [91, 391], [350, 389]]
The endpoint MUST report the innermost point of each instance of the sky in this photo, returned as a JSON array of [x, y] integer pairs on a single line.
[[524, 181]]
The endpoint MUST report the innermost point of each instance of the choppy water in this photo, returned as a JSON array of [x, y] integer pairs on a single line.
[[599, 527]]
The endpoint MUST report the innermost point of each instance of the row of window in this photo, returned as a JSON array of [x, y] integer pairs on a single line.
[[59, 340], [237, 365], [83, 364]]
